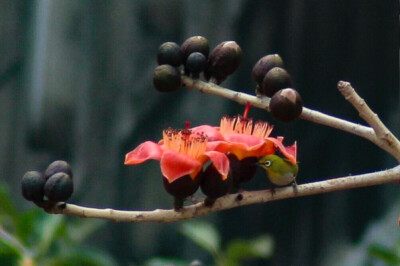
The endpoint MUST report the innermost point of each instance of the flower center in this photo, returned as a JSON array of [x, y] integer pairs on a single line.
[[243, 125], [185, 142]]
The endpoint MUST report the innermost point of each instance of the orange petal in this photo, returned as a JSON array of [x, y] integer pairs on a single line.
[[221, 146], [145, 151], [266, 148], [251, 142], [212, 133], [175, 165], [220, 161], [241, 151], [288, 152], [243, 145]]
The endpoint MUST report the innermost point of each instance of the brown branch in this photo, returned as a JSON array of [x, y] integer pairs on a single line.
[[233, 200]]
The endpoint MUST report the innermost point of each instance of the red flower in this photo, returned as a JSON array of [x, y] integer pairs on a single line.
[[180, 152], [244, 138]]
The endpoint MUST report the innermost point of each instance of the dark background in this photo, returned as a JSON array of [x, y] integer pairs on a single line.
[[75, 84]]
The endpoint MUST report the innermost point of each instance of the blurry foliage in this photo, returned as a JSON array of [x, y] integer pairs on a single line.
[[36, 238], [206, 236], [390, 256]]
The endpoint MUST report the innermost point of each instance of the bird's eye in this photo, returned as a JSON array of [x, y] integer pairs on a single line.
[[267, 163]]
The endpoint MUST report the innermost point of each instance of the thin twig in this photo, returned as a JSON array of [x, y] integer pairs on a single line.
[[233, 200], [383, 137]]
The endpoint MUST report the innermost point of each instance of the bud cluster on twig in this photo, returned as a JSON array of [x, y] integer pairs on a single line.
[[194, 54], [48, 188]]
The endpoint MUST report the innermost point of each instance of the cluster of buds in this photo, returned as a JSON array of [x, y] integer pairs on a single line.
[[194, 54], [45, 189], [275, 82]]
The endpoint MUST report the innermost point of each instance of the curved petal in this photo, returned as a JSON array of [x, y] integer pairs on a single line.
[[243, 146], [220, 161], [252, 142], [242, 152], [268, 148], [221, 146], [212, 133], [175, 165], [289, 152], [145, 151]]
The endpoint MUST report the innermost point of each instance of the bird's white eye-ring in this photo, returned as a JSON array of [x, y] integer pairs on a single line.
[[267, 163]]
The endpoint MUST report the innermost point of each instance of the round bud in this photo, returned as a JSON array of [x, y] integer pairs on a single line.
[[58, 167], [265, 64], [166, 78], [213, 186], [286, 105], [275, 79], [169, 53], [195, 44], [58, 187], [32, 186], [196, 62], [181, 188], [223, 61]]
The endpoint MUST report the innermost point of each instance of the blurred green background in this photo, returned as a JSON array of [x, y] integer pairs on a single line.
[[75, 84]]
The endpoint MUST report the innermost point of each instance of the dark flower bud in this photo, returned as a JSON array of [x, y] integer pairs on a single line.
[[265, 64], [32, 186], [181, 188], [275, 79], [166, 78], [242, 170], [195, 44], [223, 61], [196, 63], [58, 167], [58, 187], [286, 105], [170, 53], [213, 186]]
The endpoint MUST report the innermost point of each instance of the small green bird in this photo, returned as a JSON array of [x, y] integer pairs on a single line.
[[280, 171]]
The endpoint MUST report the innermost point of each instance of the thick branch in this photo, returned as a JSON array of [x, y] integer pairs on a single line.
[[233, 200]]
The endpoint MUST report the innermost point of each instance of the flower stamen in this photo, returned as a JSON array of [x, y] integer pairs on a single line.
[[185, 142], [243, 125]]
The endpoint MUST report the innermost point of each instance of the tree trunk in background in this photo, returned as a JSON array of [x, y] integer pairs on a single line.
[[93, 102]]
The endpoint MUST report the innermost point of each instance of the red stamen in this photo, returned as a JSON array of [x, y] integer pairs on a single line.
[[187, 125], [246, 110]]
